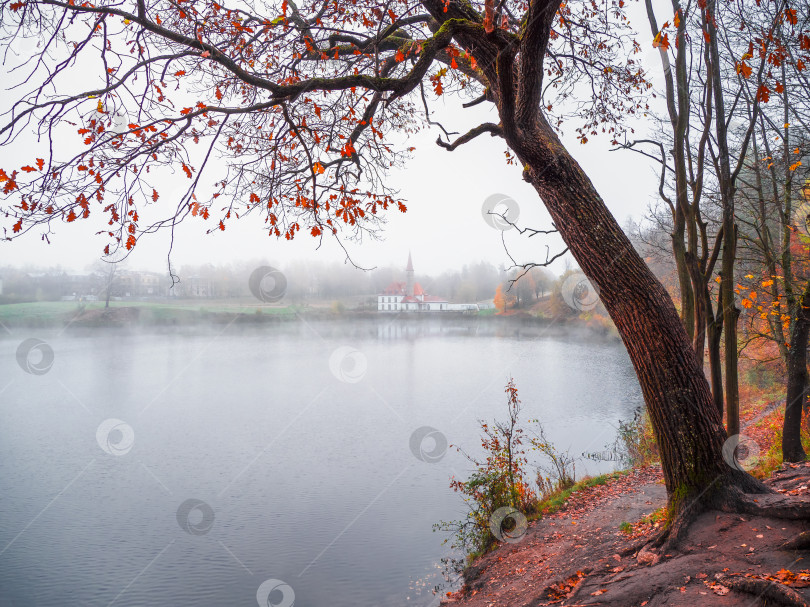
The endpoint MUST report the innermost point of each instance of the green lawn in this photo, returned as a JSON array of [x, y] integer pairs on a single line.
[[54, 310]]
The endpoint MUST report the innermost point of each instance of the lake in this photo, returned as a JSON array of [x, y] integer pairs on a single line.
[[228, 464]]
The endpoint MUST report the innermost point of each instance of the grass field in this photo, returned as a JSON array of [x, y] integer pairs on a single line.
[[46, 311]]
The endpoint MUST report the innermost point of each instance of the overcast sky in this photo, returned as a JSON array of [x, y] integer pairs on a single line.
[[443, 227]]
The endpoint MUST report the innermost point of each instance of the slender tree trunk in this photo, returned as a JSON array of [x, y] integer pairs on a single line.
[[684, 284], [797, 381], [714, 332], [726, 182]]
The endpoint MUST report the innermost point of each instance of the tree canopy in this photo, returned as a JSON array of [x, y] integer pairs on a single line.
[[291, 113]]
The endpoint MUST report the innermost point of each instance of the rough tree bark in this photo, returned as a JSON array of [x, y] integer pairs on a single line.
[[797, 381]]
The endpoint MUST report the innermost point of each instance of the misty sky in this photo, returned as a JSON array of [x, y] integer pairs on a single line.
[[444, 191]]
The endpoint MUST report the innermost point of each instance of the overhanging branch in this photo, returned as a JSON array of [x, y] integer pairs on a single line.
[[488, 127]]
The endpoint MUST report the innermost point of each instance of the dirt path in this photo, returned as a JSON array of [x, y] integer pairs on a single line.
[[579, 556]]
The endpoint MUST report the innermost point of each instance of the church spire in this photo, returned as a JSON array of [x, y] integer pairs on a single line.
[[409, 276]]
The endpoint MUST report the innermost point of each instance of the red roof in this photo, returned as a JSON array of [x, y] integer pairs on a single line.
[[401, 288], [395, 288], [425, 299]]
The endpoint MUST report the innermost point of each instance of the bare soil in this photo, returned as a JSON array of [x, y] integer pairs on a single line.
[[578, 556]]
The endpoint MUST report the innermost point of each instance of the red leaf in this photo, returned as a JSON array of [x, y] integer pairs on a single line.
[[489, 16]]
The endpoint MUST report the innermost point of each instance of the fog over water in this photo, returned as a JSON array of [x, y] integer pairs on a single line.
[[187, 467]]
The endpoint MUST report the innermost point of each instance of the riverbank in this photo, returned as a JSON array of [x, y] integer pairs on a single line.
[[143, 315], [589, 553]]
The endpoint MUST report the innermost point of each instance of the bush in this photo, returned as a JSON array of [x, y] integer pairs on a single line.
[[638, 440], [562, 471], [499, 480], [635, 446]]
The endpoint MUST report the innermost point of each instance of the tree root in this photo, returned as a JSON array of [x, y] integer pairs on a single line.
[[747, 497], [765, 589], [777, 506], [800, 542]]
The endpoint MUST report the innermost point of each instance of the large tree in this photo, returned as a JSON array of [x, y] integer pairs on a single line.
[[308, 106]]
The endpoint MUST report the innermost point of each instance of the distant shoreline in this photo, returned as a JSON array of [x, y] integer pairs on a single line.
[[159, 315]]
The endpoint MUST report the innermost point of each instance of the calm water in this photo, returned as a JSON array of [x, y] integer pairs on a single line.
[[301, 473]]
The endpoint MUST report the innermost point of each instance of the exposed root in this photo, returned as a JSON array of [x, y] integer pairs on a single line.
[[777, 506], [765, 589], [738, 493], [800, 542]]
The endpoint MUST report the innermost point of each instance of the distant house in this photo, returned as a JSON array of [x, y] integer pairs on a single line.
[[409, 296]]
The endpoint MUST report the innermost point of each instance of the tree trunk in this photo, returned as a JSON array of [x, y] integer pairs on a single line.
[[726, 183], [714, 332], [797, 381], [687, 425]]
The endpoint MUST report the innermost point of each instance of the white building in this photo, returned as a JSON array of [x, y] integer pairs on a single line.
[[409, 296]]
